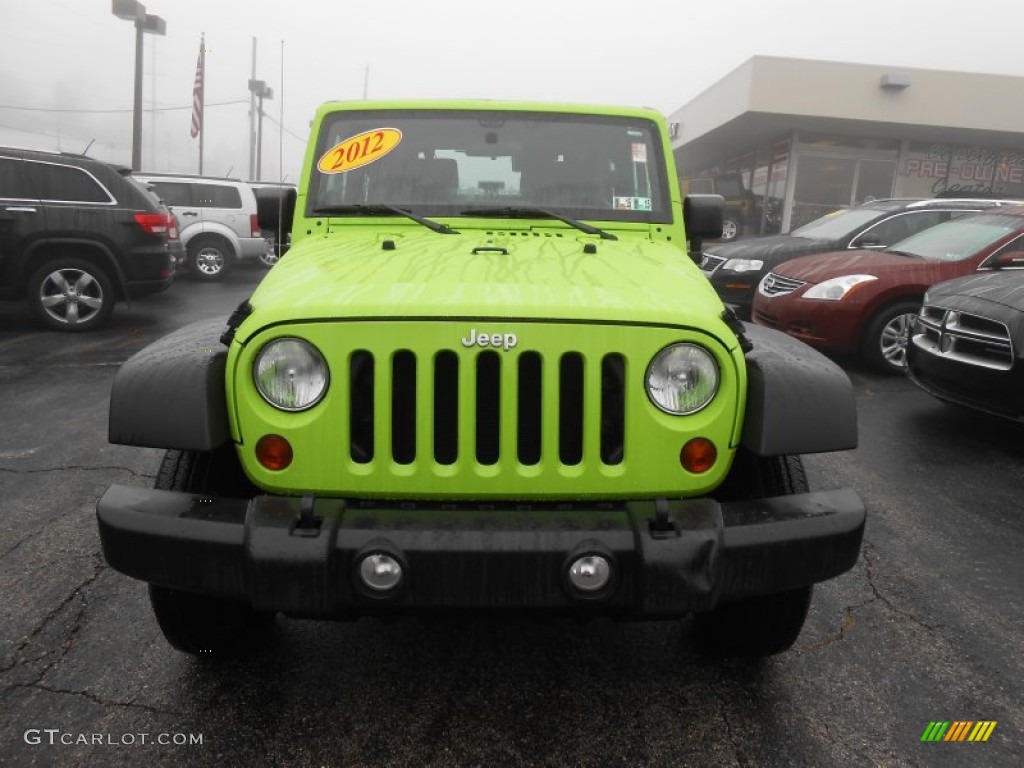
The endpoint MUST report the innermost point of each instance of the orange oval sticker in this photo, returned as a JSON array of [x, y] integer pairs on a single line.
[[359, 150]]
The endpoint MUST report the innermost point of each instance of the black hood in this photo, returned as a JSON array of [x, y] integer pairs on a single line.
[[772, 249], [994, 295], [1003, 288]]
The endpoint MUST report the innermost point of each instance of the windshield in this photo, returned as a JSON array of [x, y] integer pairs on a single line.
[[839, 224], [958, 239], [448, 163]]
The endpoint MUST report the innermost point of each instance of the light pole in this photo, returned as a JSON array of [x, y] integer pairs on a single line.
[[131, 10], [261, 91]]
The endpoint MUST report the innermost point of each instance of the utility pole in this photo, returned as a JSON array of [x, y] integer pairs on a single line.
[[135, 12], [261, 91], [252, 115], [280, 126], [258, 91]]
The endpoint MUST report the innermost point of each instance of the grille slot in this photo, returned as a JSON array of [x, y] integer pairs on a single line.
[[488, 407], [613, 408], [403, 407], [548, 401], [570, 409], [528, 442], [361, 407], [446, 408]]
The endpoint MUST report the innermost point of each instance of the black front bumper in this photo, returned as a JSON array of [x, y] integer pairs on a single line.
[[302, 557], [997, 392]]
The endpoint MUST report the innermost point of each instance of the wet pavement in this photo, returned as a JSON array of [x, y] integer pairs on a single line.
[[928, 626]]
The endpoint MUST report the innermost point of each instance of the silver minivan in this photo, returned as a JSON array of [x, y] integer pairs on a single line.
[[218, 220]]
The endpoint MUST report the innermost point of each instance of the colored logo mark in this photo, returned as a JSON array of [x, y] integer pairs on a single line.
[[958, 730]]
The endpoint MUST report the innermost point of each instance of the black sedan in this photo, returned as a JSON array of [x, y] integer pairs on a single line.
[[968, 344], [735, 269]]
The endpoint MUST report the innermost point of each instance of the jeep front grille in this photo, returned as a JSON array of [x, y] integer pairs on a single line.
[[777, 285], [487, 391], [964, 337]]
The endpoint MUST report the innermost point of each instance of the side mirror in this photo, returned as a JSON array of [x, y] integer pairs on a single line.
[[1007, 260], [702, 218]]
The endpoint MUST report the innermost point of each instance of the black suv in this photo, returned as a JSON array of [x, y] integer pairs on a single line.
[[735, 269], [76, 235]]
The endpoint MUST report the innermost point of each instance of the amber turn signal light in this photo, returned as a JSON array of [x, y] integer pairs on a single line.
[[698, 455], [274, 452]]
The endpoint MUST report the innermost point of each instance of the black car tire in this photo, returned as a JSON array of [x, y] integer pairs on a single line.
[[205, 625], [884, 346], [70, 294], [767, 624], [209, 257]]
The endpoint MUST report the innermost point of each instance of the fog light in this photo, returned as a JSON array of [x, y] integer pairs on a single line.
[[698, 455], [274, 452], [380, 572], [590, 573]]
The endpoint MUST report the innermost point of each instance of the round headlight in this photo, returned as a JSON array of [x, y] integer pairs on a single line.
[[290, 374], [682, 379]]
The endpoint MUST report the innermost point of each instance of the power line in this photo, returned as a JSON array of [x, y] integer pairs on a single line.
[[55, 110], [285, 128], [115, 111]]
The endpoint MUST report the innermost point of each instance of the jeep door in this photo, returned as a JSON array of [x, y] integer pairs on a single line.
[[21, 217]]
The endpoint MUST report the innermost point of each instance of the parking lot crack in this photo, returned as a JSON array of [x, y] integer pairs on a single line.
[[80, 467], [18, 657], [737, 748], [870, 560], [103, 702], [848, 621]]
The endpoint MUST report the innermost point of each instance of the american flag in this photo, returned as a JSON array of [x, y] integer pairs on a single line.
[[197, 94]]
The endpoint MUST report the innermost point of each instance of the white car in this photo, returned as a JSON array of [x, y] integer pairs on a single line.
[[218, 219]]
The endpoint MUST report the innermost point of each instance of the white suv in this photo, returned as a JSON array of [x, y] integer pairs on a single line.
[[218, 220]]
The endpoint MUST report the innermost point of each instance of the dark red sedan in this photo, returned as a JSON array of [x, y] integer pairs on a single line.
[[865, 302]]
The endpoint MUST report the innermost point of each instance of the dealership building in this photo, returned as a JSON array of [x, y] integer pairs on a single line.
[[809, 137]]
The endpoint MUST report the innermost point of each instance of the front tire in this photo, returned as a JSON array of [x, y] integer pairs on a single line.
[[70, 294], [206, 625], [755, 627], [884, 346], [209, 257], [767, 624]]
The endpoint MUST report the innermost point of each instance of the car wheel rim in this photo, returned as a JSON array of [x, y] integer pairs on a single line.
[[71, 296], [893, 341], [210, 261], [728, 230]]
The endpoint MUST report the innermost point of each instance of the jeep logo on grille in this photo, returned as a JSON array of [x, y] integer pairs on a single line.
[[505, 341]]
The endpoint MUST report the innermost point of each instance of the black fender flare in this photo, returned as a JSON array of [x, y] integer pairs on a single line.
[[798, 401], [171, 394]]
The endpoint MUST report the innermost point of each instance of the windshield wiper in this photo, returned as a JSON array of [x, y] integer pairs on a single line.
[[902, 253], [379, 209], [526, 212]]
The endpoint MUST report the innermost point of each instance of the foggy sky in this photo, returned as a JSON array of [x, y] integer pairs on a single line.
[[76, 55]]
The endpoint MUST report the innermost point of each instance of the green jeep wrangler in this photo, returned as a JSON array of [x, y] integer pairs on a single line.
[[486, 376]]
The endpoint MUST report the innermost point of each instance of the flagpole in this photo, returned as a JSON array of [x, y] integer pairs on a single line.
[[202, 98]]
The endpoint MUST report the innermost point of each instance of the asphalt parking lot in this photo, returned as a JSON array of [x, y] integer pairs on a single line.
[[927, 627]]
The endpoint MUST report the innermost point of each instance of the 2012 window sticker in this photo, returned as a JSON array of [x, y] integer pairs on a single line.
[[359, 150]]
